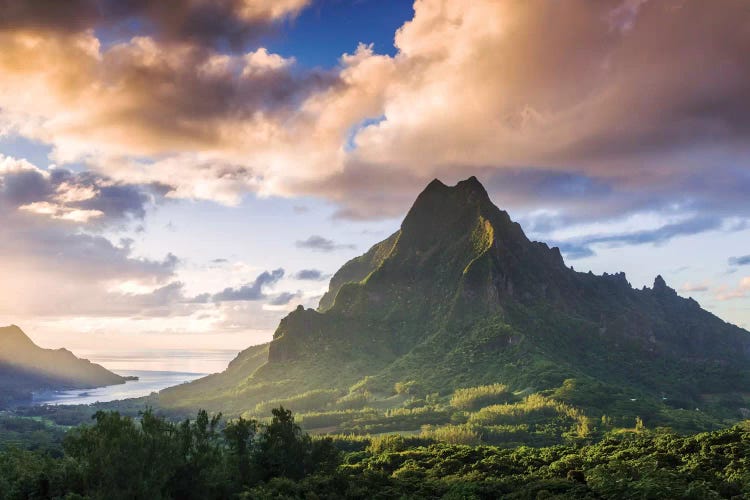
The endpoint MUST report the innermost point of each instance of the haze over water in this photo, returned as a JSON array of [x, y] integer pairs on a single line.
[[166, 360], [148, 382], [155, 369]]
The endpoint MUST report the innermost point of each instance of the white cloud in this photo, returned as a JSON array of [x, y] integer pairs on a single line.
[[61, 212], [694, 287], [741, 291]]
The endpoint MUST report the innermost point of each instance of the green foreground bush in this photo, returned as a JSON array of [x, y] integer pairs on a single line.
[[151, 458]]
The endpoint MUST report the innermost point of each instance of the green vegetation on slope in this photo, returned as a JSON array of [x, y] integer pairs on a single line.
[[151, 458], [30, 433]]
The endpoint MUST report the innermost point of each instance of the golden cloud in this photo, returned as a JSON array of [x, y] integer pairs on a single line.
[[600, 87]]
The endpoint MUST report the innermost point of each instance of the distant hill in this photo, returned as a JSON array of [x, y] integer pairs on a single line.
[[459, 297], [26, 368]]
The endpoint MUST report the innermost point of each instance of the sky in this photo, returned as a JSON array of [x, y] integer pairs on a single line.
[[175, 177]]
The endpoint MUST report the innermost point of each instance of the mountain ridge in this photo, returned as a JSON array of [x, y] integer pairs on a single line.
[[26, 368], [460, 297]]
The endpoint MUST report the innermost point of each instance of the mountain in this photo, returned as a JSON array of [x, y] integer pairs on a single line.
[[459, 297], [26, 368]]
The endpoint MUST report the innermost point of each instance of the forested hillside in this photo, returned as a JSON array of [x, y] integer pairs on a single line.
[[150, 458]]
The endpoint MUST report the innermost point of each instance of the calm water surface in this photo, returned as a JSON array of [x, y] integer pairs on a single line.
[[149, 381]]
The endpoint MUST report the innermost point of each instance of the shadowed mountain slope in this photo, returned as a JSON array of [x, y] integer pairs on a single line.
[[460, 297], [26, 367]]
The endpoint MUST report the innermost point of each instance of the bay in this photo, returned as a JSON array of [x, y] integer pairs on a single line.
[[148, 381]]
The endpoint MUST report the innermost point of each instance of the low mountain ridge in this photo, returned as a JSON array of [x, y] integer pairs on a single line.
[[460, 297], [26, 368]]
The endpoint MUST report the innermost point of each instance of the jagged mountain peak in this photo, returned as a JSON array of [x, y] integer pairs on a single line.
[[445, 223], [435, 185], [467, 185], [661, 288], [468, 192], [443, 213], [471, 184]]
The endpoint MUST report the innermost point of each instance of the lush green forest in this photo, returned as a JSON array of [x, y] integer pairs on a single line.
[[151, 457], [578, 411]]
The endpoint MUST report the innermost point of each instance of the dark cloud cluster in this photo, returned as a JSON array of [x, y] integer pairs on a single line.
[[284, 298], [121, 200], [251, 291], [321, 244], [173, 105], [582, 247], [145, 108], [743, 260], [23, 185], [310, 275], [217, 23]]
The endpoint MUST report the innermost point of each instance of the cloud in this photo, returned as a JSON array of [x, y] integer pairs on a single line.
[[59, 268], [61, 212], [320, 244], [740, 261], [581, 247], [309, 275], [65, 195], [694, 287], [251, 291], [597, 101], [593, 110], [232, 117], [661, 234], [52, 272], [740, 292], [212, 22], [55, 259], [284, 298], [573, 251]]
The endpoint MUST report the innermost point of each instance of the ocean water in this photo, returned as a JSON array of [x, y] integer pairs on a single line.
[[149, 381]]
